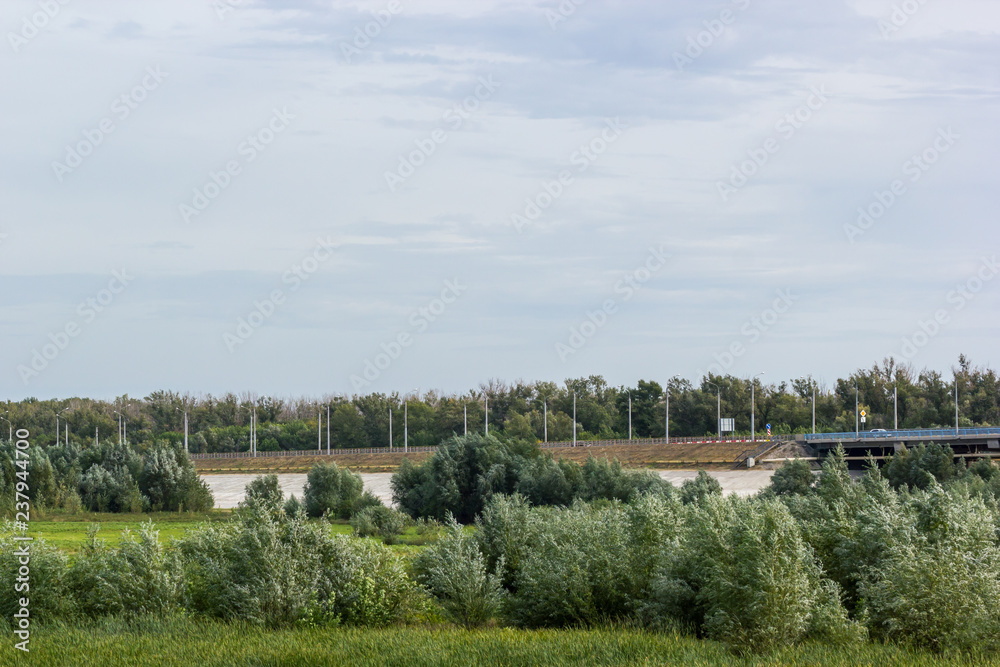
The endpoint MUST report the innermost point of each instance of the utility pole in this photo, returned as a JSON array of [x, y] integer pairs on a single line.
[[814, 405], [574, 419], [956, 405], [666, 419], [895, 408], [545, 418], [857, 426], [753, 407], [629, 414], [718, 422]]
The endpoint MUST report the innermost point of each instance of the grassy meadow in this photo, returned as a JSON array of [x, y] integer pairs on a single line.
[[182, 642]]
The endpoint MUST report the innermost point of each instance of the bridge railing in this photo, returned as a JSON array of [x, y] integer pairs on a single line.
[[543, 445], [912, 433]]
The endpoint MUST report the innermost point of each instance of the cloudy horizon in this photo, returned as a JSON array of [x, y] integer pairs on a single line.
[[310, 198]]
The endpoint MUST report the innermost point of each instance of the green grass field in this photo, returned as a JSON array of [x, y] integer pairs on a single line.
[[68, 532], [183, 642]]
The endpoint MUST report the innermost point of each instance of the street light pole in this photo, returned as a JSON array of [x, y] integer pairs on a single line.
[[666, 420], [390, 428], [465, 418], [574, 419], [857, 426], [895, 407], [814, 405], [319, 429], [486, 410], [545, 418], [718, 422], [629, 414], [753, 410], [327, 429], [406, 424], [956, 405]]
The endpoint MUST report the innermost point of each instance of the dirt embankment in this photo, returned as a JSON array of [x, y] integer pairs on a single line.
[[660, 457]]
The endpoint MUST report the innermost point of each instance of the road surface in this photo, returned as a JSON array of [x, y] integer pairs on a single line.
[[228, 489]]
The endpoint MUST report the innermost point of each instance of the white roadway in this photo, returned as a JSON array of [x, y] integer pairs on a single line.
[[228, 489]]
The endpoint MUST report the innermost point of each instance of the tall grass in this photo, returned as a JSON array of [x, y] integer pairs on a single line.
[[182, 642]]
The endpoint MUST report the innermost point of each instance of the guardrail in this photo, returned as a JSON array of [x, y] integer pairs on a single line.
[[543, 445], [912, 433]]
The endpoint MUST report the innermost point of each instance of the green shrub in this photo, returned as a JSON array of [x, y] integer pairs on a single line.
[[743, 575], [919, 466], [793, 478], [293, 506], [258, 568], [364, 582], [137, 577], [454, 571], [331, 491], [700, 488], [576, 570], [940, 589], [263, 491], [608, 480], [47, 592], [379, 520]]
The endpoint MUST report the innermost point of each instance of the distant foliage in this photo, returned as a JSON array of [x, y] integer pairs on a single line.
[[699, 489], [379, 520], [793, 478], [332, 491], [922, 466], [467, 471], [110, 478], [263, 491]]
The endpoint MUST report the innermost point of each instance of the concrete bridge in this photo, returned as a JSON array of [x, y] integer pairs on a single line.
[[966, 442]]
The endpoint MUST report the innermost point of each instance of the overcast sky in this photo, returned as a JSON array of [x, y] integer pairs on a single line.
[[268, 196]]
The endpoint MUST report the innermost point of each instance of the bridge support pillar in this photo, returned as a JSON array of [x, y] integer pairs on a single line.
[[898, 447], [993, 444]]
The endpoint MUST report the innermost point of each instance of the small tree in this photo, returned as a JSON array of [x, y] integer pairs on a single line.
[[332, 491], [263, 491], [454, 571], [793, 478]]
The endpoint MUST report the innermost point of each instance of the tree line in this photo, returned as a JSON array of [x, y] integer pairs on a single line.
[[536, 411]]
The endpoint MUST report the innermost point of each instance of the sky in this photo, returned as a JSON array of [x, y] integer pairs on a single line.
[[314, 198]]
